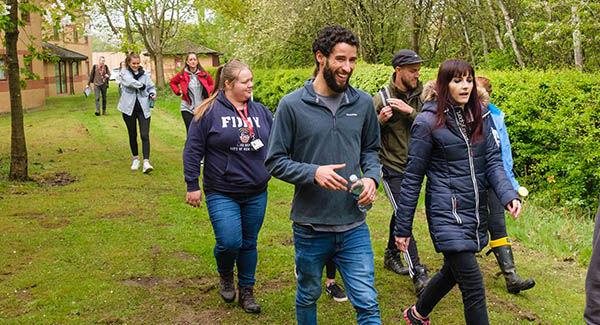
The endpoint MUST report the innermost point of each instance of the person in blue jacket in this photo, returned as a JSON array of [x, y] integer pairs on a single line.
[[230, 131], [500, 242], [323, 133], [452, 143]]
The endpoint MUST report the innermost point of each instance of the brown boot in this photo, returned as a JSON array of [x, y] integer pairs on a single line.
[[226, 286], [246, 300]]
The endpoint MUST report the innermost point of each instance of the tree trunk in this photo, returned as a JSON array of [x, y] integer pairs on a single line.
[[578, 53], [467, 39], [495, 25], [414, 28], [483, 39], [18, 148], [509, 31], [158, 59]]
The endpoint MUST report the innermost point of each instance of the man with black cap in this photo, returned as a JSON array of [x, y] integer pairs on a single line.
[[397, 105]]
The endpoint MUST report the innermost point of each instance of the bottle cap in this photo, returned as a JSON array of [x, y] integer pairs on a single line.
[[353, 178], [523, 192]]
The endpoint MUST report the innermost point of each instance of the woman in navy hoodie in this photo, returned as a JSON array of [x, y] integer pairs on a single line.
[[230, 133], [193, 84], [452, 143]]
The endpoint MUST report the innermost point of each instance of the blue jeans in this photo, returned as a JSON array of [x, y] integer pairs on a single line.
[[353, 257], [236, 223]]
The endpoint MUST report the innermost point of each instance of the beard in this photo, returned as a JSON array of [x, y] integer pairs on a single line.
[[407, 85], [329, 77]]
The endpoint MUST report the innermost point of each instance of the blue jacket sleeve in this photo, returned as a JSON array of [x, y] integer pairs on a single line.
[[419, 156], [193, 152], [495, 173], [370, 145], [279, 161]]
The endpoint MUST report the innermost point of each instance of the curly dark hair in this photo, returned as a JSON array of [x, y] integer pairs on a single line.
[[329, 36]]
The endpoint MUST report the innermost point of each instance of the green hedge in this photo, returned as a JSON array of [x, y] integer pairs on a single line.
[[553, 120]]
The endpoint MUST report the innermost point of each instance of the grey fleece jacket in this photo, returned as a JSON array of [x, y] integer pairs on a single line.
[[306, 135]]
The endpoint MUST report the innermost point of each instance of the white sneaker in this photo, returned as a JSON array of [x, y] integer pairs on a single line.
[[147, 167], [135, 165]]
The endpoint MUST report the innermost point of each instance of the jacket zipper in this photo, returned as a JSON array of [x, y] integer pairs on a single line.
[[456, 216], [473, 179]]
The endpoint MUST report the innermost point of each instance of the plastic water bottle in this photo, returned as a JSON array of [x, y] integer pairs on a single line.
[[358, 187], [151, 102]]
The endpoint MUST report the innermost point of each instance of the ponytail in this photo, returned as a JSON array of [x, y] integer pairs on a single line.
[[226, 72]]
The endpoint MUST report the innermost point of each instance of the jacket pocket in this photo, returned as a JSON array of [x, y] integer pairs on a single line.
[[454, 213]]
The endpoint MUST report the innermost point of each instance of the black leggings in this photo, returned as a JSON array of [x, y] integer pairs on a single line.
[[462, 269], [496, 221], [187, 119], [144, 123]]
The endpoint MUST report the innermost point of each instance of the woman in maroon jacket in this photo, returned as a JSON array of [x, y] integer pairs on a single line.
[[194, 84]]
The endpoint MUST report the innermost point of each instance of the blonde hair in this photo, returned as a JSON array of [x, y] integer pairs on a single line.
[[226, 72], [485, 83]]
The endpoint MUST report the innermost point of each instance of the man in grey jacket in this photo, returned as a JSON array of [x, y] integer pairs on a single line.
[[323, 133], [99, 78], [591, 315]]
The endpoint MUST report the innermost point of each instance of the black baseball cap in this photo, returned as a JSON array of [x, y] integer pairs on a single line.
[[404, 57]]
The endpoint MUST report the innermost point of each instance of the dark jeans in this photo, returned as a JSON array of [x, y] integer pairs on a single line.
[[461, 268], [187, 119], [144, 123], [496, 221], [100, 90], [591, 314], [236, 223], [351, 253], [330, 270], [391, 180]]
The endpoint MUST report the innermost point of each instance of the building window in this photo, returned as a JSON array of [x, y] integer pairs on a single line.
[[60, 70], [75, 35], [2, 68], [29, 67], [75, 67]]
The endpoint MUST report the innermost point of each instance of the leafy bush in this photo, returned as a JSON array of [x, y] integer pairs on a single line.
[[553, 119]]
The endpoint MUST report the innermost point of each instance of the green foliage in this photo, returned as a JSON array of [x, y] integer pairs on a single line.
[[553, 119]]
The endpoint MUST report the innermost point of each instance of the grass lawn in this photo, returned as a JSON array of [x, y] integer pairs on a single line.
[[91, 241]]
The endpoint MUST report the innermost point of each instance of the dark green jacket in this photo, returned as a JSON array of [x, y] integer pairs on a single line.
[[395, 133], [305, 135]]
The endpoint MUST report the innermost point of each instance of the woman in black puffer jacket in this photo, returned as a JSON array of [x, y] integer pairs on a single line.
[[452, 144]]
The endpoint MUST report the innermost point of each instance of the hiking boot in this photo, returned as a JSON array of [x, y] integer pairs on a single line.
[[336, 292], [392, 260], [420, 279], [226, 286], [514, 284], [147, 167], [246, 300], [411, 318], [135, 165]]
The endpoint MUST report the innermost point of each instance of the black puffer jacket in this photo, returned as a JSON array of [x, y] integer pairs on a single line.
[[458, 173]]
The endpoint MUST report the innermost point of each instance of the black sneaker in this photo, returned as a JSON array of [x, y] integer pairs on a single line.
[[392, 260], [97, 113], [336, 292], [412, 319]]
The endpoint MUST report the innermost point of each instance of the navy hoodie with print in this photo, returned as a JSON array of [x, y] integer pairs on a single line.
[[223, 139]]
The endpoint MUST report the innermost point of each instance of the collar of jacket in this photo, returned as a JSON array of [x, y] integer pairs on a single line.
[[309, 95], [397, 93]]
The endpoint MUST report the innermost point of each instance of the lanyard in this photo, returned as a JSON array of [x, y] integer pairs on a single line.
[[245, 118]]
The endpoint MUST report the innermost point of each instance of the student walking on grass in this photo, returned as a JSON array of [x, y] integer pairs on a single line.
[[99, 79], [137, 89], [323, 133], [193, 84], [230, 132], [500, 243], [452, 143]]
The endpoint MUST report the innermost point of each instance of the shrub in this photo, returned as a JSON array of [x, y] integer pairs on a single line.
[[553, 119]]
